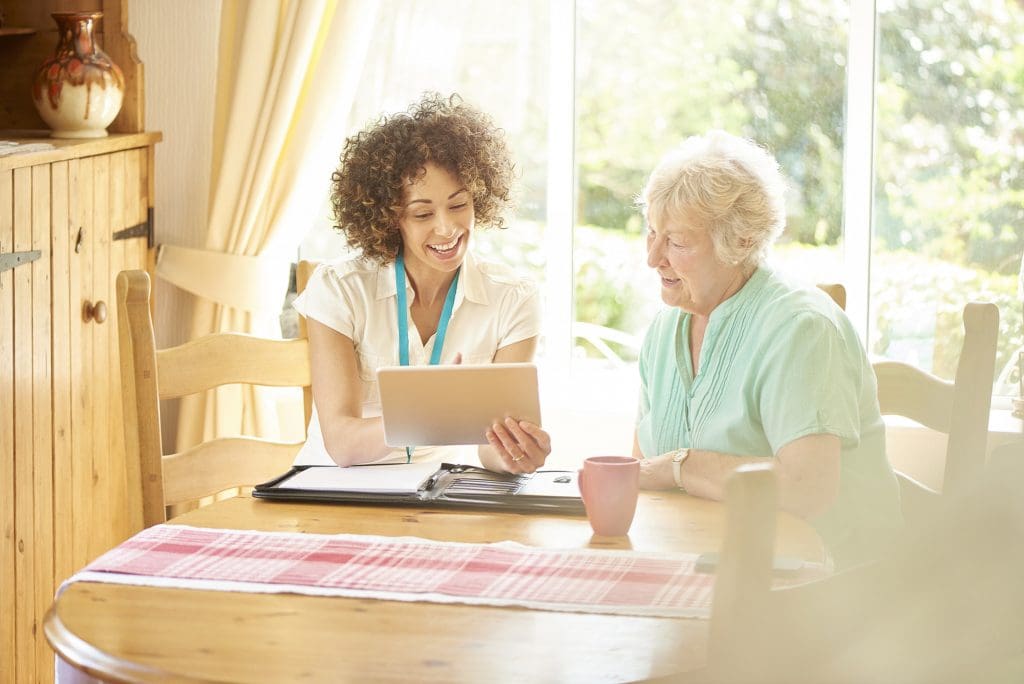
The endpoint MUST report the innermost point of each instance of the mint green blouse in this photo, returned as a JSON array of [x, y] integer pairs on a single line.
[[778, 362]]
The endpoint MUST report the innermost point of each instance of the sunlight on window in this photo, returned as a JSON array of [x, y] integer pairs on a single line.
[[948, 213], [494, 56], [949, 120], [773, 72]]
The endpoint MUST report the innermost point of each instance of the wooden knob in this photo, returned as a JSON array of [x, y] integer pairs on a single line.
[[97, 311]]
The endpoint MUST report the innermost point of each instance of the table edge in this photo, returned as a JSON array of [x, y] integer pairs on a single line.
[[94, 662]]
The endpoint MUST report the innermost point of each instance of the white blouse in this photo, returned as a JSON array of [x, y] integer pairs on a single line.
[[493, 308]]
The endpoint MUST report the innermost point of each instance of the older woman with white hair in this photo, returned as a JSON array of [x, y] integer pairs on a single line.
[[746, 365]]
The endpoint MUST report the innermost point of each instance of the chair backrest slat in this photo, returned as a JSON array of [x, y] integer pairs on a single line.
[[904, 390], [212, 467], [229, 358]]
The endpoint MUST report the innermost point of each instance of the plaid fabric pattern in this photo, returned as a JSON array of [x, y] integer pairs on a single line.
[[600, 581]]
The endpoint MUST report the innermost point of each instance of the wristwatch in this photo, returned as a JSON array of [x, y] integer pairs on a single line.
[[678, 456]]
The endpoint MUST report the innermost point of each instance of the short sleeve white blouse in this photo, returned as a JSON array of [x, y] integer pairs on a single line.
[[494, 308]]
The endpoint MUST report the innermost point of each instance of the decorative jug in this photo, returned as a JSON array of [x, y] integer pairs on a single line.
[[78, 90]]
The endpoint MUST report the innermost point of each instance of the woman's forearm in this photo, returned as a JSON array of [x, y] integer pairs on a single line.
[[351, 441], [806, 490]]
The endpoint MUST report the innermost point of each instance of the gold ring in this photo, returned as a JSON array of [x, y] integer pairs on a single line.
[[518, 459]]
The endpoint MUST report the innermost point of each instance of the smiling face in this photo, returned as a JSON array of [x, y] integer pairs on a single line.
[[436, 220], [681, 251]]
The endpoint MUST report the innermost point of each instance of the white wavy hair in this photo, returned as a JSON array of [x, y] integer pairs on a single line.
[[732, 185]]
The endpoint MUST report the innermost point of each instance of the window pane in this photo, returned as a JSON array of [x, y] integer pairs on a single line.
[[948, 188], [495, 56], [651, 73]]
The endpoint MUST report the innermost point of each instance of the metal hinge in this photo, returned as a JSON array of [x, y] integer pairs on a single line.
[[12, 259], [139, 230]]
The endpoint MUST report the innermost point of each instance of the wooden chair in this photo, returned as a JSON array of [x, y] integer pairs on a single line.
[[948, 607], [836, 291], [960, 408], [149, 375]]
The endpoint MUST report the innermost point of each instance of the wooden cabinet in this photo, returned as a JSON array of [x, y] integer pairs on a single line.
[[84, 210]]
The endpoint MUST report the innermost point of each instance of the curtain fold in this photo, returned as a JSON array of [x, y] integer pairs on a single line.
[[286, 77]]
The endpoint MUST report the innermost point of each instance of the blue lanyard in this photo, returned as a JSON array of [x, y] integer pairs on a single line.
[[403, 323]]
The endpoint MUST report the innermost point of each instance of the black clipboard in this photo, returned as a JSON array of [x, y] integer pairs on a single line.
[[449, 486]]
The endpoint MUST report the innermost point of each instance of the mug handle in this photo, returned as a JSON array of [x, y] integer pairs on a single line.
[[581, 480]]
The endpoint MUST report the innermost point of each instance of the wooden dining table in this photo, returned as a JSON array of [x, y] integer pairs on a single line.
[[128, 633]]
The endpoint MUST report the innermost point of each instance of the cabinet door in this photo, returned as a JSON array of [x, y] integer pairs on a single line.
[[81, 247], [128, 249], [106, 197], [26, 475], [9, 559]]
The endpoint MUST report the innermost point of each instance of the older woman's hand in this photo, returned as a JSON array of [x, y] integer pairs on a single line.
[[521, 445]]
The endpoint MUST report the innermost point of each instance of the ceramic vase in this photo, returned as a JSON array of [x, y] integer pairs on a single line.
[[78, 90]]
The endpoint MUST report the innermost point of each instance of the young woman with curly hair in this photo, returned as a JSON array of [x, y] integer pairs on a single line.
[[408, 193]]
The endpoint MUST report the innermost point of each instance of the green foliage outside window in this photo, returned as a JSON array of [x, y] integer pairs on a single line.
[[615, 288], [948, 215]]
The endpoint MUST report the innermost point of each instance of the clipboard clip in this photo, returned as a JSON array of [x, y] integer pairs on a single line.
[[442, 470], [492, 481], [429, 483]]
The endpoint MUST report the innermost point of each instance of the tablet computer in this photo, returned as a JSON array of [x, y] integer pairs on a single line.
[[443, 405]]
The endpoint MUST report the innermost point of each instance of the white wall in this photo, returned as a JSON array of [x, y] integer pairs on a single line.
[[177, 43]]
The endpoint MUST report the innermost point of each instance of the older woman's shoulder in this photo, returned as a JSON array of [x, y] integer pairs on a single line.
[[786, 302], [792, 293]]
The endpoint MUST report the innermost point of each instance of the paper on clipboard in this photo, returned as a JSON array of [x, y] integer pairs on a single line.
[[550, 483], [405, 478]]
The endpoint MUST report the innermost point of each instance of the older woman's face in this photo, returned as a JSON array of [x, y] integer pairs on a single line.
[[681, 251]]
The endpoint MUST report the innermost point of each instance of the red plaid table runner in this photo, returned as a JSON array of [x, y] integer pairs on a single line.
[[409, 569]]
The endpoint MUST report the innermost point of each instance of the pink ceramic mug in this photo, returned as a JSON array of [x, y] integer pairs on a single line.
[[609, 485]]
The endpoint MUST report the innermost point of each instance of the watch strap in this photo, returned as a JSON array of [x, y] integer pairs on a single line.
[[678, 457]]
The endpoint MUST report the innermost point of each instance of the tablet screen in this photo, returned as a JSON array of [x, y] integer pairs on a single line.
[[446, 405]]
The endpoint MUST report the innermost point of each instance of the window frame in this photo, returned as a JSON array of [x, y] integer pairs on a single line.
[[858, 173]]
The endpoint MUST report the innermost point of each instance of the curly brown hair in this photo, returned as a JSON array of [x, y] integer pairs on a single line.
[[367, 189]]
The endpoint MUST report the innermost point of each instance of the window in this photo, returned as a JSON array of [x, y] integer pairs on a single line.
[[948, 217], [651, 73], [899, 125], [495, 56]]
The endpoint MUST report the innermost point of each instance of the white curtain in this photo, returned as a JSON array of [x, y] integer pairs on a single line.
[[286, 77]]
